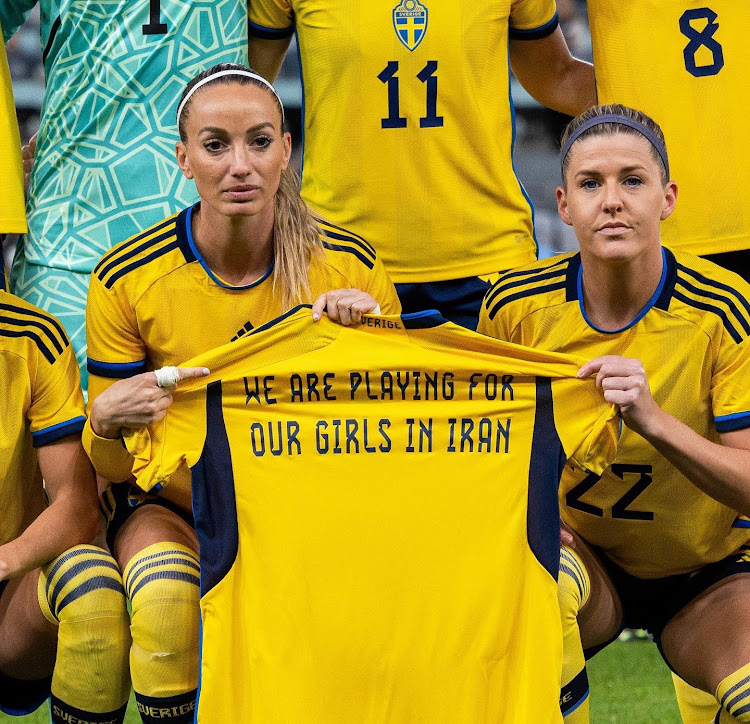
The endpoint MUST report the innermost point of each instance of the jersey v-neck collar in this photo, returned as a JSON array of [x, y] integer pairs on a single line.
[[191, 253], [660, 299]]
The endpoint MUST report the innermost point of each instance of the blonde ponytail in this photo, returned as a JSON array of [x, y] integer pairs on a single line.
[[296, 240]]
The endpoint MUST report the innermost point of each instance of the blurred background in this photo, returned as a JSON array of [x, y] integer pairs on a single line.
[[538, 129]]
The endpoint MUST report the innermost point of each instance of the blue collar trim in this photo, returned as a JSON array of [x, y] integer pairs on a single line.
[[654, 297], [202, 261]]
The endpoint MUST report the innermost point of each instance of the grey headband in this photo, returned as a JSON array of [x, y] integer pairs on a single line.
[[647, 133]]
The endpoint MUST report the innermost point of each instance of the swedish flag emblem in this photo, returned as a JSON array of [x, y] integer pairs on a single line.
[[410, 22]]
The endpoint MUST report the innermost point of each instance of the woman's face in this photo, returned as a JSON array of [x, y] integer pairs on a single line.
[[614, 197], [235, 148]]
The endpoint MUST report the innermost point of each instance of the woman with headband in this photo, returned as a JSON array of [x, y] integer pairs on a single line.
[[247, 252], [659, 541]]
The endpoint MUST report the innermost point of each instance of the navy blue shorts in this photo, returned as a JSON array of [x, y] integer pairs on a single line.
[[650, 603], [458, 300], [121, 500]]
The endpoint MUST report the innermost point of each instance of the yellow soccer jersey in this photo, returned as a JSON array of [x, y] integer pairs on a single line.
[[154, 301], [12, 212], [42, 403], [692, 338], [409, 126], [682, 62], [378, 520]]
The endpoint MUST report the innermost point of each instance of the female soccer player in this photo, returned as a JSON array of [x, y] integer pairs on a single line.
[[246, 253], [425, 169], [660, 541], [62, 603]]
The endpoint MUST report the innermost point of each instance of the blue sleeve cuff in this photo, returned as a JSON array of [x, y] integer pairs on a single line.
[[737, 421], [536, 33], [259, 31], [57, 432], [115, 370]]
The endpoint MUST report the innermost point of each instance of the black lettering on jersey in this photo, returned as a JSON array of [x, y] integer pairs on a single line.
[[357, 436], [620, 508], [492, 385], [271, 436], [378, 323], [507, 389], [383, 425], [308, 388], [254, 387], [423, 433], [572, 498], [489, 436]]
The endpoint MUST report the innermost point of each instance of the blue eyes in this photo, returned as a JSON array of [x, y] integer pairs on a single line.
[[630, 182]]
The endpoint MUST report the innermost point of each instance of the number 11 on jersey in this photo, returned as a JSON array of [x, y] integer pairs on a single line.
[[428, 76]]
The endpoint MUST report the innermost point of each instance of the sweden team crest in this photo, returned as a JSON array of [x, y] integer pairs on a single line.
[[410, 22]]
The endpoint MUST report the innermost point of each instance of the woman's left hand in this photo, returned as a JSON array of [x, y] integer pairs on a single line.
[[345, 306]]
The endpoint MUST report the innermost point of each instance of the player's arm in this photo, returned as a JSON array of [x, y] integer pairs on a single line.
[[551, 75], [266, 56], [270, 30], [721, 471], [13, 14], [70, 519]]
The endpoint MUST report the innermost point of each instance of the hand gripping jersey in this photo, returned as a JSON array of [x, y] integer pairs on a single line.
[[42, 404], [12, 214], [423, 168], [685, 61], [692, 338], [154, 301], [378, 521], [104, 167]]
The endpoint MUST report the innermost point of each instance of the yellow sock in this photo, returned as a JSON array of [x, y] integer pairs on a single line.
[[573, 589], [733, 694], [162, 583], [696, 706], [81, 591]]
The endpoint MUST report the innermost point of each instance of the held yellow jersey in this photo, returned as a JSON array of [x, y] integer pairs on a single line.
[[683, 62], [409, 126], [378, 520], [42, 403], [692, 338], [12, 212], [154, 301]]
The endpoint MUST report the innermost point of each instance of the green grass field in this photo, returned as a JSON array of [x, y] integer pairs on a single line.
[[630, 684]]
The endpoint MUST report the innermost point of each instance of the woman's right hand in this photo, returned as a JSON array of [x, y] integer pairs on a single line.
[[134, 403]]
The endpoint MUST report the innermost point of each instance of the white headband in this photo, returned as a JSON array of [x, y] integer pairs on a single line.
[[246, 73]]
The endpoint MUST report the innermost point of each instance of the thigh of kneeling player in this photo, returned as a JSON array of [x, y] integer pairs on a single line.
[[709, 638], [27, 639], [147, 526]]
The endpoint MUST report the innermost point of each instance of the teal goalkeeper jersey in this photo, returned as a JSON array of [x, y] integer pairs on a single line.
[[105, 166]]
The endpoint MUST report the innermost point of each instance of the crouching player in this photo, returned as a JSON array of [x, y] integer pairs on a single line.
[[657, 541], [62, 602]]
